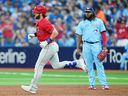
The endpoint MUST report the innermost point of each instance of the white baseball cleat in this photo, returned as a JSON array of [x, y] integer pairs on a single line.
[[82, 65], [105, 87], [92, 87], [29, 88]]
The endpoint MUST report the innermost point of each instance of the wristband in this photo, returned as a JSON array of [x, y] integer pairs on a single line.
[[49, 40]]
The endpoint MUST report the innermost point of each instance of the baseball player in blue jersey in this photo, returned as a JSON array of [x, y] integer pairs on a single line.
[[92, 33]]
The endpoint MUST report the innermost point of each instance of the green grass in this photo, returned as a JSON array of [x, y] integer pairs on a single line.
[[59, 78]]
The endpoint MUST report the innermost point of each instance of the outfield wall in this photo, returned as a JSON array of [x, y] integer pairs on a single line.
[[26, 57]]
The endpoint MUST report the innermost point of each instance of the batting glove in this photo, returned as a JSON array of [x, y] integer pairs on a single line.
[[43, 44], [30, 36]]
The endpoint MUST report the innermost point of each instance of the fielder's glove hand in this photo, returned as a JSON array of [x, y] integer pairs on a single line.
[[43, 44], [101, 56], [30, 36]]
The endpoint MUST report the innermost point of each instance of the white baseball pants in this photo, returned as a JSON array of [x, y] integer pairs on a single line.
[[49, 53]]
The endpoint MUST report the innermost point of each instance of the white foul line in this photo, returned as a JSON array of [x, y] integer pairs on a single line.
[[57, 75]]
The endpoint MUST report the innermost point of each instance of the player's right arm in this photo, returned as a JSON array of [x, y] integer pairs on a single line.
[[79, 42], [79, 37]]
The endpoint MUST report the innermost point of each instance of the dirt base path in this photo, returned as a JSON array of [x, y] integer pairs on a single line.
[[73, 90]]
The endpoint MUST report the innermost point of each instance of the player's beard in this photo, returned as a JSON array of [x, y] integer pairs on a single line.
[[90, 17]]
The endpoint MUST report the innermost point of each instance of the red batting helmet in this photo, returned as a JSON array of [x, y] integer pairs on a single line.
[[40, 9]]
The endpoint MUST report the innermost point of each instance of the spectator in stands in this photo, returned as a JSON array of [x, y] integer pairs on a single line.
[[60, 27], [68, 19], [70, 11], [20, 38], [114, 15], [55, 15], [66, 41], [121, 31], [107, 12], [110, 35], [100, 14], [69, 41], [124, 57], [7, 29], [122, 12]]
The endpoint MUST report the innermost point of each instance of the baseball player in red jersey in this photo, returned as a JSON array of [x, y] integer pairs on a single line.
[[46, 34]]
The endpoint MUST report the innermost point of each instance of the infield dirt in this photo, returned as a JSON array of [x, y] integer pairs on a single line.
[[68, 90]]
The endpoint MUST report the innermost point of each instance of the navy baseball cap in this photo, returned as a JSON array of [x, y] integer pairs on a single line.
[[89, 9]]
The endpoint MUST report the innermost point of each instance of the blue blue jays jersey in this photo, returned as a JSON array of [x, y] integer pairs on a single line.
[[91, 30]]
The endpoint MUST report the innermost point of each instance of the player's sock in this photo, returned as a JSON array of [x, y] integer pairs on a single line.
[[71, 64]]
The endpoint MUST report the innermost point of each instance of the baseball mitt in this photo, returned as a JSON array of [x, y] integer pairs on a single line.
[[101, 56]]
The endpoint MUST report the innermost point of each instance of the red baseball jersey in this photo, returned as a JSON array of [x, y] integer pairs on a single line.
[[121, 31], [44, 29]]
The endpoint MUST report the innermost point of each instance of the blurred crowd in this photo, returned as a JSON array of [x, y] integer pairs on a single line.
[[16, 20]]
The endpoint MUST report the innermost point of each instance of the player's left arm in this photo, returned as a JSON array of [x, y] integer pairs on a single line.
[[54, 34], [101, 56], [104, 40], [103, 34]]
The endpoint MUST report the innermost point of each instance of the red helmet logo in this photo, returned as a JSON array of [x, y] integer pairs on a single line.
[[40, 9]]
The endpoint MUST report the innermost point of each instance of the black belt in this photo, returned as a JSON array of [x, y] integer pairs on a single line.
[[91, 42]]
